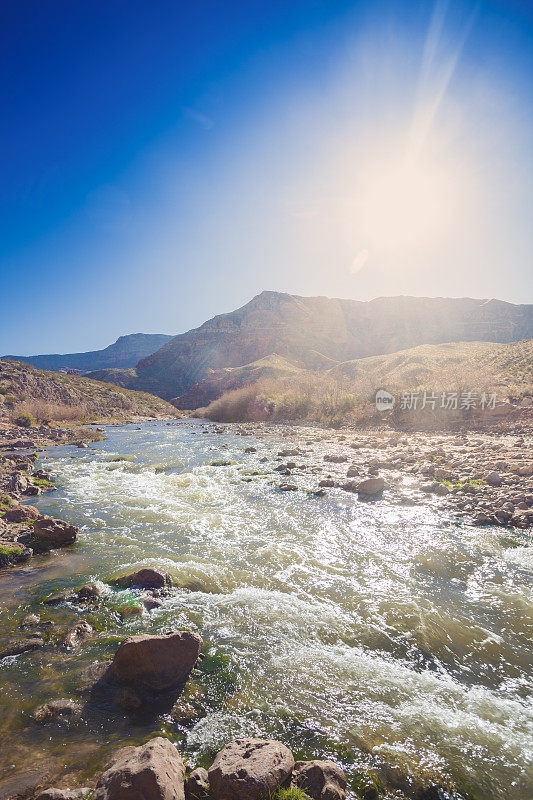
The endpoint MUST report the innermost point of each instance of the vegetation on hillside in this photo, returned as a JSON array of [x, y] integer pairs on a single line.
[[346, 393], [29, 395]]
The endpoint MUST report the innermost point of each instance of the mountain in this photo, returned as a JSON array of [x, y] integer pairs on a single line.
[[45, 395], [317, 333], [123, 353]]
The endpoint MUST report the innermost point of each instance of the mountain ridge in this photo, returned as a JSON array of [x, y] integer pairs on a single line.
[[125, 352], [317, 332]]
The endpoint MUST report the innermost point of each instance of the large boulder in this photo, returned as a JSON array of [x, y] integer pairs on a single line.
[[321, 780], [371, 486], [22, 514], [153, 771], [145, 578], [249, 769], [156, 663], [50, 533]]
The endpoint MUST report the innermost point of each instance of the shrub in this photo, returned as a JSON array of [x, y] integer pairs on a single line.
[[25, 420]]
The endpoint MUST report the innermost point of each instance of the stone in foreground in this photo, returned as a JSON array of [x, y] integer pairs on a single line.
[[249, 769], [321, 780], [156, 663], [146, 578], [153, 771], [51, 533], [62, 710]]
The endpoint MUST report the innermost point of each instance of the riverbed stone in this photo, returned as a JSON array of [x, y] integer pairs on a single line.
[[51, 533], [152, 771], [64, 794], [17, 646], [77, 634], [321, 780], [249, 769], [371, 486], [197, 785], [156, 663], [145, 578], [62, 710], [21, 514]]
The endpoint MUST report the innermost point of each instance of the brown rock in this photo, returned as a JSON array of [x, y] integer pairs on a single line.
[[321, 780], [63, 794], [50, 533], [62, 710], [153, 771], [197, 785], [15, 648], [78, 634], [21, 514], [371, 486], [157, 663], [146, 578], [89, 592], [249, 769]]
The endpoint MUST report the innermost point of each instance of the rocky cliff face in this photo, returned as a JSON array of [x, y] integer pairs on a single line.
[[123, 353], [318, 332]]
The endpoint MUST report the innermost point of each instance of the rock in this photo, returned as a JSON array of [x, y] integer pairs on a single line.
[[145, 578], [327, 483], [321, 780], [64, 794], [78, 634], [62, 710], [440, 489], [21, 514], [156, 663], [89, 592], [151, 602], [287, 487], [493, 479], [18, 646], [287, 453], [371, 486], [57, 598], [250, 450], [50, 533], [153, 771], [30, 620], [333, 459], [197, 785], [483, 519], [352, 472], [249, 769]]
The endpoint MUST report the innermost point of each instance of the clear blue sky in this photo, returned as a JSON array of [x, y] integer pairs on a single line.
[[165, 160]]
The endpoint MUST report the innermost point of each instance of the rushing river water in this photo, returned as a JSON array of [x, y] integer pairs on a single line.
[[372, 633]]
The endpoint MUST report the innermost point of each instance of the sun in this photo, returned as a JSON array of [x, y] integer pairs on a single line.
[[405, 203]]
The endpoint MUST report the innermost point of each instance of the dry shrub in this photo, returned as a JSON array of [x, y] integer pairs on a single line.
[[43, 411]]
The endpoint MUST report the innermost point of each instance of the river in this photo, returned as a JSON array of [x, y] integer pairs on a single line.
[[374, 633]]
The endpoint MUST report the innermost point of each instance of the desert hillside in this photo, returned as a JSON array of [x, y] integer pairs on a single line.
[[318, 333], [345, 394], [43, 395]]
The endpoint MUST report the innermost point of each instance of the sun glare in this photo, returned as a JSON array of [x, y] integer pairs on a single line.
[[405, 204]]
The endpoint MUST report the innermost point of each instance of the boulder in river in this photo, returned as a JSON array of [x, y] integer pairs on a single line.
[[249, 769], [145, 578], [51, 533], [371, 486], [321, 780], [156, 663], [64, 794], [62, 710], [152, 771], [77, 634]]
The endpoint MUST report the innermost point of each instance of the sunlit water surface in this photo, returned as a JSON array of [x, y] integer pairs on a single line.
[[366, 632]]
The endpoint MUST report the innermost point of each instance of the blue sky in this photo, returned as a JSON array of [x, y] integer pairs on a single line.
[[162, 161]]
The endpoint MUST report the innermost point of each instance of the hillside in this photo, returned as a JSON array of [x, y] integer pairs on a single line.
[[123, 353], [345, 393], [318, 333], [45, 395]]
